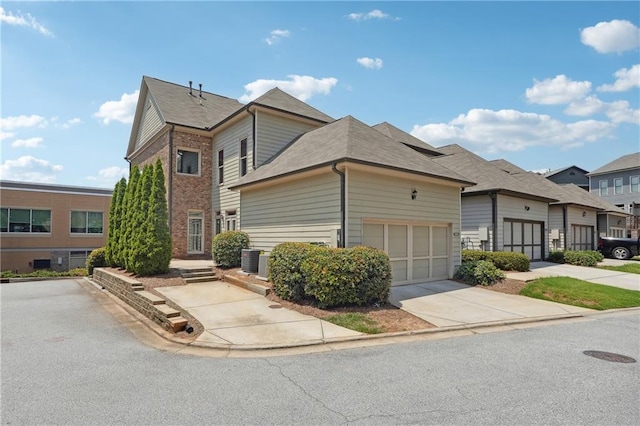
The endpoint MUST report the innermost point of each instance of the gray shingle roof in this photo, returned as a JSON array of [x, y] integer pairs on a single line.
[[401, 136], [506, 166], [347, 139], [573, 194], [276, 98], [177, 106], [487, 175], [626, 162], [562, 169]]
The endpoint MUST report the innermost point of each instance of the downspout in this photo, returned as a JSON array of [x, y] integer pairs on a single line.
[[170, 178], [253, 138], [564, 227], [341, 244], [494, 220]]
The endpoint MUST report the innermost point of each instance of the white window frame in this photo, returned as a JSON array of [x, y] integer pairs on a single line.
[[218, 223], [86, 214], [616, 186], [14, 233], [637, 183], [604, 187], [195, 214], [243, 159], [220, 167], [231, 221], [194, 151]]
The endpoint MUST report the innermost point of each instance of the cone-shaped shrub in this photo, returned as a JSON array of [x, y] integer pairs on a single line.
[[139, 219], [115, 219], [127, 216]]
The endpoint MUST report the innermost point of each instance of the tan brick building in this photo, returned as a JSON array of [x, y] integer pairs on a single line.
[[45, 226]]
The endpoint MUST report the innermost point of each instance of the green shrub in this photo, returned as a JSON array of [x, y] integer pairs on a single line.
[[504, 260], [338, 277], [556, 256], [76, 272], [285, 264], [227, 248], [482, 272], [96, 259], [582, 258]]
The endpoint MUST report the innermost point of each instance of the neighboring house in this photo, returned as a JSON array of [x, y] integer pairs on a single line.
[[571, 174], [502, 212], [47, 226], [281, 170], [618, 183]]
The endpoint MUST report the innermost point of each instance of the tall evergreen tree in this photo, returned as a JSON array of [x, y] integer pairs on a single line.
[[127, 216], [137, 252], [115, 211], [154, 254]]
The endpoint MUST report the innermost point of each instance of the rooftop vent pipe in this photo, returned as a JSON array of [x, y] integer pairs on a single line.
[[190, 91], [200, 89]]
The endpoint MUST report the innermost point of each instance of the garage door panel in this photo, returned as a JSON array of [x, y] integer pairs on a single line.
[[420, 241], [420, 269], [440, 268], [399, 270], [523, 237], [397, 241], [373, 235], [440, 246]]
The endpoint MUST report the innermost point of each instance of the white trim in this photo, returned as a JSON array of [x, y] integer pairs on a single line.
[[631, 191], [201, 217], [615, 187], [606, 188], [246, 157], [218, 182]]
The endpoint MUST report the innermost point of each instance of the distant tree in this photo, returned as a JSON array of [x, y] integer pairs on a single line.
[[115, 213], [127, 217], [153, 250]]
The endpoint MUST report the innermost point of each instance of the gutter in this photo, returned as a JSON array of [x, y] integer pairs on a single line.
[[494, 220], [170, 179], [253, 137], [343, 220], [564, 226]]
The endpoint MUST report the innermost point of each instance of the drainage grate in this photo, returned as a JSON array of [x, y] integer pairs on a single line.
[[275, 306], [609, 356]]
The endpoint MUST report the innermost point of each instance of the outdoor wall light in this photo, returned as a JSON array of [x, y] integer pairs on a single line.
[[584, 214], [527, 208], [414, 194]]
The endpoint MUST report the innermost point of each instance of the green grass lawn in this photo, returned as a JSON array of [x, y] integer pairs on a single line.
[[632, 268], [356, 321], [571, 291]]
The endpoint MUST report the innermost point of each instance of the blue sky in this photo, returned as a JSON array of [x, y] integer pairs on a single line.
[[542, 84]]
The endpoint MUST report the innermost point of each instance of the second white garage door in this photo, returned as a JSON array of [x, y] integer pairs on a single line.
[[417, 252]]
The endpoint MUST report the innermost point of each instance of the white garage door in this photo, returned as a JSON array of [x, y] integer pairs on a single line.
[[524, 237], [418, 253]]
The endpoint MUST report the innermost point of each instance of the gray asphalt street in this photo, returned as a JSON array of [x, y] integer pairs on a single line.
[[65, 360]]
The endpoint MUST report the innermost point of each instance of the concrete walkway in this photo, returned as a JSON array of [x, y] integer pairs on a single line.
[[449, 303], [594, 275], [233, 316]]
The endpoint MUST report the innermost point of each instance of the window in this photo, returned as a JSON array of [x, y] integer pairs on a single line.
[[188, 162], [603, 188], [617, 186], [86, 222], [218, 224], [634, 182], [243, 157], [230, 221], [25, 220], [221, 167]]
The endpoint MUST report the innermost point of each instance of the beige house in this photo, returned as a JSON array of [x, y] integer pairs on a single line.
[[281, 170], [45, 226]]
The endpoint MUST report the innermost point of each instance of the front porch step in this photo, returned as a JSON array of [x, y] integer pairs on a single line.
[[192, 270], [167, 311], [202, 279], [196, 274], [152, 298]]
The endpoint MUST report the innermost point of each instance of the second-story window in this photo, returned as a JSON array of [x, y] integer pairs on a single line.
[[188, 162], [603, 188], [243, 157], [617, 186], [221, 167], [634, 183], [86, 223], [25, 220]]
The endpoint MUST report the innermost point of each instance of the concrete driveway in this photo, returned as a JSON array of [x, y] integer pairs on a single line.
[[593, 275], [447, 303]]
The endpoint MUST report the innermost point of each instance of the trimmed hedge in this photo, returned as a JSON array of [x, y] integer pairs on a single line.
[[481, 272], [329, 276], [556, 256], [96, 259], [227, 246], [503, 260], [582, 257]]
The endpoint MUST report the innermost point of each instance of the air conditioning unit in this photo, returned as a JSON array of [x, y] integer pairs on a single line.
[[263, 266]]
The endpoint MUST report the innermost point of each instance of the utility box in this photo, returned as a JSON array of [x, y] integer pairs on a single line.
[[249, 262], [263, 266], [483, 233], [555, 234]]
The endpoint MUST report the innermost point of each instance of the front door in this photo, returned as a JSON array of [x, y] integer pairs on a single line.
[[196, 222]]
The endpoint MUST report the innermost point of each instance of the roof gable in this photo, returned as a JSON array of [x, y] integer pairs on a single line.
[[278, 99], [626, 162], [563, 169], [347, 139]]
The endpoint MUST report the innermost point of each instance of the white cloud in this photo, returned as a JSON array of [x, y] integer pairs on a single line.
[[626, 79], [23, 21], [373, 63], [6, 135], [510, 130], [69, 123], [302, 87], [27, 143], [613, 36], [13, 123], [586, 106], [29, 169], [276, 35], [559, 90], [621, 112], [374, 14], [122, 110], [110, 175]]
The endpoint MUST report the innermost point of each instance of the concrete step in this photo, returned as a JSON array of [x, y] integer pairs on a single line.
[[137, 287], [168, 311], [256, 288], [155, 300], [201, 279], [196, 274], [191, 270], [177, 324]]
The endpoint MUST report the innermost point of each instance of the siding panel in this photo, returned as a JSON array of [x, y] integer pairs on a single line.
[[150, 122], [476, 213], [274, 133]]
